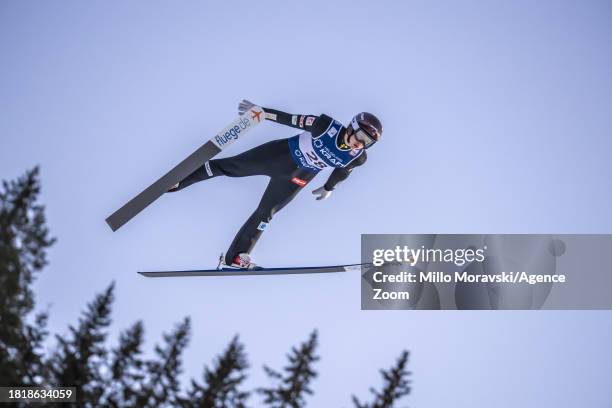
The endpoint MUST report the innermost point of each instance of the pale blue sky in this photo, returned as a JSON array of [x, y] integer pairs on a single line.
[[497, 119]]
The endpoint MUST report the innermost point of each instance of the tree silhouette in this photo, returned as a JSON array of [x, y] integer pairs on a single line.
[[396, 386], [126, 369], [80, 356], [24, 239], [161, 386], [292, 388], [221, 383]]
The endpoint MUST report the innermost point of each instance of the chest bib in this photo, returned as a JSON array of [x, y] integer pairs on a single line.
[[319, 152]]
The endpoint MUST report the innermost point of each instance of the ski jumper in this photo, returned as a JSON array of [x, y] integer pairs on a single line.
[[290, 163]]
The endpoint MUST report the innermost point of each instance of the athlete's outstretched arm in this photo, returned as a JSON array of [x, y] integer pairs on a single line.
[[311, 123], [338, 175], [342, 173]]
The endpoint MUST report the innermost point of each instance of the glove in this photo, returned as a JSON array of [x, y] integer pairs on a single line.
[[244, 106], [321, 193]]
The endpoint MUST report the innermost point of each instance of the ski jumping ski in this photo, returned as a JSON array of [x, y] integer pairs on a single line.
[[251, 272], [210, 149]]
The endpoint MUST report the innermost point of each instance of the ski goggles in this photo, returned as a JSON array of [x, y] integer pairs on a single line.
[[362, 135]]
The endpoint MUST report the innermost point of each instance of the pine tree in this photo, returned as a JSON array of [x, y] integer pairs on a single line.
[[221, 383], [293, 385], [396, 386], [80, 357], [161, 387], [24, 240], [126, 369]]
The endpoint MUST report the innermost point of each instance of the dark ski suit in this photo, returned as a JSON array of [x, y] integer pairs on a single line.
[[287, 168]]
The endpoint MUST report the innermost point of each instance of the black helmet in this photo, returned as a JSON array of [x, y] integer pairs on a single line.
[[367, 128]]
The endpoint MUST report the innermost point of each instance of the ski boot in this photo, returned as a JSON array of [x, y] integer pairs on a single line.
[[240, 261]]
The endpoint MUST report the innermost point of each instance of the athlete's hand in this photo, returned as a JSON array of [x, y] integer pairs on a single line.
[[244, 106], [321, 193]]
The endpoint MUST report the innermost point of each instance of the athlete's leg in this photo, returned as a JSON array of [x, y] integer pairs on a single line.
[[279, 192], [267, 159]]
